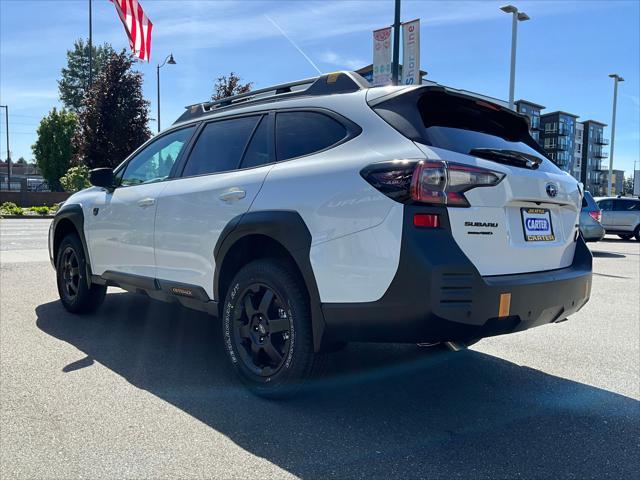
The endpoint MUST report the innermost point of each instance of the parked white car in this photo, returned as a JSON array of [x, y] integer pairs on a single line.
[[320, 212]]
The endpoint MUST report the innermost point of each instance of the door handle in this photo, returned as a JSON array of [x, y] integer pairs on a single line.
[[146, 202], [232, 195]]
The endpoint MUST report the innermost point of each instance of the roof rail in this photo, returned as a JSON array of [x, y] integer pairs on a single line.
[[327, 84]]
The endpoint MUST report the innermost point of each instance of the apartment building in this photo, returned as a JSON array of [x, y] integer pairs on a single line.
[[557, 137], [532, 111], [593, 172]]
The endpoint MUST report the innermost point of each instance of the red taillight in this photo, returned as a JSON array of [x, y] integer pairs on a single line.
[[596, 215], [444, 183], [426, 220], [435, 182]]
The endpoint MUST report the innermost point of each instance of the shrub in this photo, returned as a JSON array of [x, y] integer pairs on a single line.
[[76, 178], [8, 206], [43, 210]]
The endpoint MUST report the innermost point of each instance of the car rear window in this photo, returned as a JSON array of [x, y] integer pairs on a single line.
[[304, 133], [458, 123]]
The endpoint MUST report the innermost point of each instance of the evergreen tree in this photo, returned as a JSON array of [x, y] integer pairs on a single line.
[[75, 76]]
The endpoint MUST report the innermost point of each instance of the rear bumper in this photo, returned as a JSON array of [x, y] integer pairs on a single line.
[[592, 231], [438, 295]]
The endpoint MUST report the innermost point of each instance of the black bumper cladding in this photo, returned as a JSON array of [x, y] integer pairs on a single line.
[[438, 295]]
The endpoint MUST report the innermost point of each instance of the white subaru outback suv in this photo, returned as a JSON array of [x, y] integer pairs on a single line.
[[320, 212]]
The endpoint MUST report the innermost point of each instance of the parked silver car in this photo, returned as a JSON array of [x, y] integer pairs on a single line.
[[590, 217], [621, 216]]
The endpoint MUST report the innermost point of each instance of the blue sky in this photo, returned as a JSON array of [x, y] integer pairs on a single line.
[[565, 52]]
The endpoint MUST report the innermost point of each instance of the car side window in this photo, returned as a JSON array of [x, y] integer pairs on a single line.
[[220, 146], [605, 205], [259, 149], [625, 205], [303, 133], [154, 162]]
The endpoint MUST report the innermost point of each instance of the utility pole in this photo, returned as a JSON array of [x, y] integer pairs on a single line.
[[616, 78], [395, 67], [6, 111], [90, 47], [516, 17]]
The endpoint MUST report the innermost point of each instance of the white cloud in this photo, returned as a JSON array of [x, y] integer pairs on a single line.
[[341, 61]]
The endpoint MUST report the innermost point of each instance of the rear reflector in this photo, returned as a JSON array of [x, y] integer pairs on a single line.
[[426, 220]]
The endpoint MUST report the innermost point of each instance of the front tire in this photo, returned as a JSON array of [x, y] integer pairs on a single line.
[[625, 236], [76, 294], [266, 327]]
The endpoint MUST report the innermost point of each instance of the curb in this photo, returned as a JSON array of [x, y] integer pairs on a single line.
[[24, 217]]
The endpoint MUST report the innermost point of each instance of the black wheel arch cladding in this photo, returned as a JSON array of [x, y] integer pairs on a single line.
[[74, 214], [289, 230]]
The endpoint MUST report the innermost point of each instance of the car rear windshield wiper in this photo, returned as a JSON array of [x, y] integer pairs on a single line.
[[508, 157]]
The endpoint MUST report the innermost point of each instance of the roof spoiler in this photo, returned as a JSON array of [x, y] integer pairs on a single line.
[[327, 84]]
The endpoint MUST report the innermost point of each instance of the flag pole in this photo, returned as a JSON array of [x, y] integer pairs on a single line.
[[90, 47]]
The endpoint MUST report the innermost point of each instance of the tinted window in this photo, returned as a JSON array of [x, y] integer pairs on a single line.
[[302, 133], [605, 204], [625, 205], [258, 151], [154, 162], [220, 146], [458, 123]]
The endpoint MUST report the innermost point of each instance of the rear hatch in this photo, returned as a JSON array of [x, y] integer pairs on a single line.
[[528, 221]]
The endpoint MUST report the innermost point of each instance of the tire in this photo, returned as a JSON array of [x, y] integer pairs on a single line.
[[71, 271], [636, 233], [625, 236], [266, 328]]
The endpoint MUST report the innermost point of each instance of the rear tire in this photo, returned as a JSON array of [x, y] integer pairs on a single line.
[[636, 233], [625, 236], [76, 294], [266, 328]]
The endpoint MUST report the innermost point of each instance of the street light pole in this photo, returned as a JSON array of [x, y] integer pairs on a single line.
[[395, 67], [170, 61], [616, 78], [90, 46], [516, 17], [6, 112]]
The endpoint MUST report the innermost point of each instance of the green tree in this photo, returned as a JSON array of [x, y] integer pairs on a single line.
[[228, 86], [113, 122], [627, 186], [53, 149], [76, 179], [21, 161], [75, 76]]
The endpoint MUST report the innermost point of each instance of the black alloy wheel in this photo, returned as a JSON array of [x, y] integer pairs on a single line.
[[70, 273], [266, 328], [261, 329], [77, 293]]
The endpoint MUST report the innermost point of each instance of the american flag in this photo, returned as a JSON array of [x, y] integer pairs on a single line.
[[137, 26]]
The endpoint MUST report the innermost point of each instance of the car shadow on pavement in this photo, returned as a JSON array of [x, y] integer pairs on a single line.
[[602, 254], [383, 410]]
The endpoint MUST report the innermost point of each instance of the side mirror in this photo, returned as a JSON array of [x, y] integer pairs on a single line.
[[102, 177]]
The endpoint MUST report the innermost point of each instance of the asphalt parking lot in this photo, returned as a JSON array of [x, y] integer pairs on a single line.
[[141, 389]]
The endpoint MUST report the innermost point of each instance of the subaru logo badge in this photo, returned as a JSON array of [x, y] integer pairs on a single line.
[[552, 189]]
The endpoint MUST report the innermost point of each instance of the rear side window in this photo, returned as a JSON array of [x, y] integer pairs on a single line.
[[625, 205], [304, 133], [220, 146]]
